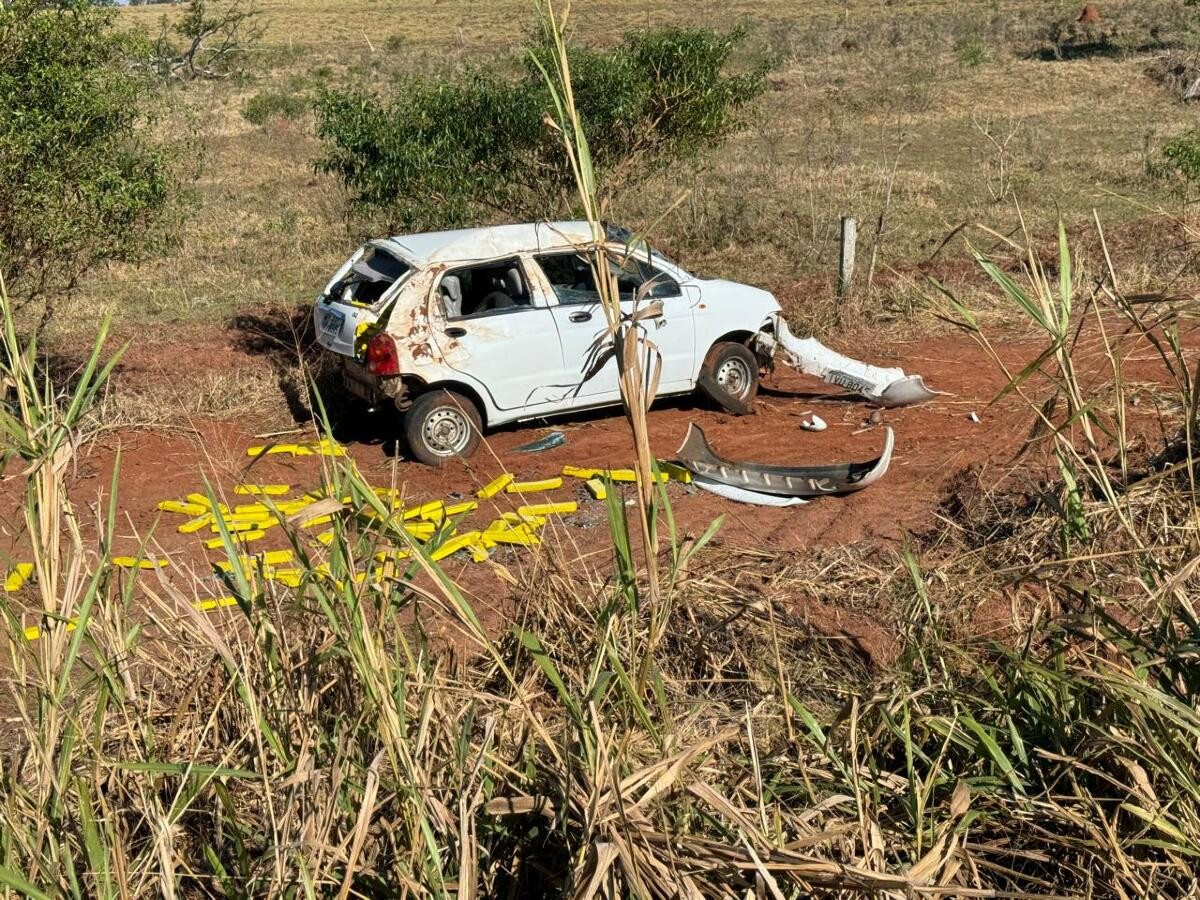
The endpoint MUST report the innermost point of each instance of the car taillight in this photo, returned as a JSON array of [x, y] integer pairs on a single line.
[[381, 356]]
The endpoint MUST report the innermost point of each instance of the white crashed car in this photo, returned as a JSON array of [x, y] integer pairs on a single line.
[[463, 330]]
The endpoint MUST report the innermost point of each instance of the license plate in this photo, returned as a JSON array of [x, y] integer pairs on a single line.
[[331, 322]]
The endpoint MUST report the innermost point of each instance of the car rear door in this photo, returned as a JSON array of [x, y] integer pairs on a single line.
[[589, 372], [498, 334]]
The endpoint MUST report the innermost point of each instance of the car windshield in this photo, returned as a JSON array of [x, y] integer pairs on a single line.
[[365, 283]]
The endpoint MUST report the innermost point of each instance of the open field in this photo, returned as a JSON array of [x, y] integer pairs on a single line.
[[975, 678], [864, 96]]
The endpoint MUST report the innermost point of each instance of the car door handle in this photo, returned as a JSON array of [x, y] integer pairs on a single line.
[[455, 331], [580, 317]]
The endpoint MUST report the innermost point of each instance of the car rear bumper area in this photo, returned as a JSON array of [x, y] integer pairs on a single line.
[[358, 383], [371, 389]]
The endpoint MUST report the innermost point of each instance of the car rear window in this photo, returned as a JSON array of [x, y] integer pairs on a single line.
[[369, 278]]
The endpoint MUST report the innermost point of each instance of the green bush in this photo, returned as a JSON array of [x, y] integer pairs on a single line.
[[267, 105], [452, 150], [1182, 154], [83, 179]]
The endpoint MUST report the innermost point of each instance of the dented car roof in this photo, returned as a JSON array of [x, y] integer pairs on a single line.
[[490, 242]]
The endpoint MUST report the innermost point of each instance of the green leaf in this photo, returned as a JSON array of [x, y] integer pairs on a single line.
[[11, 879]]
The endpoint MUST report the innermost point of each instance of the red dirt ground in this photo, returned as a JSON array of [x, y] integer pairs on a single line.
[[935, 443]]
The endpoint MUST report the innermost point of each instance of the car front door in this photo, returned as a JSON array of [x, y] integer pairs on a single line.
[[589, 372], [490, 327]]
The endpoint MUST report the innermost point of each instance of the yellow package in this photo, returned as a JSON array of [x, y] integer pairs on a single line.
[[177, 506], [234, 526], [128, 562], [286, 577], [17, 577], [454, 509], [520, 518], [522, 535], [270, 558], [218, 603], [194, 525], [424, 511], [495, 486], [528, 487], [454, 545], [675, 472], [630, 475], [577, 472], [217, 542], [548, 509], [270, 490]]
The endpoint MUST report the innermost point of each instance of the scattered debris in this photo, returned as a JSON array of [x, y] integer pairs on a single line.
[[813, 423], [549, 442], [876, 417], [801, 481], [973, 416]]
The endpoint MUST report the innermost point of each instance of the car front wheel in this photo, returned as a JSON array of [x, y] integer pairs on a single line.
[[442, 425], [729, 377]]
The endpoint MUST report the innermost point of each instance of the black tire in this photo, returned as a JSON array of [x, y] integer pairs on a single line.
[[442, 425], [729, 377]]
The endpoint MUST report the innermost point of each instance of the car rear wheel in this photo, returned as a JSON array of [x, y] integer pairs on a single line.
[[442, 425], [729, 377]]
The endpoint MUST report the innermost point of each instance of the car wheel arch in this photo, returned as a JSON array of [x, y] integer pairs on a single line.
[[742, 336], [416, 386]]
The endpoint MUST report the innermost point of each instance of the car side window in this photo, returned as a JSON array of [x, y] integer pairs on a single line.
[[492, 288], [570, 275]]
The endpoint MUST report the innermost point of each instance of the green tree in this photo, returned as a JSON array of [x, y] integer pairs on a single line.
[[83, 181], [452, 150]]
